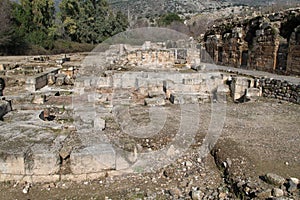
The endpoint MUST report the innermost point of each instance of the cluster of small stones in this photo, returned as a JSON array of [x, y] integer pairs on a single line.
[[257, 43], [276, 188], [281, 90]]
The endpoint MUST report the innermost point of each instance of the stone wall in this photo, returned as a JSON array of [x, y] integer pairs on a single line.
[[159, 55], [36, 82], [263, 53], [261, 43], [249, 85], [151, 57], [293, 62], [281, 90]]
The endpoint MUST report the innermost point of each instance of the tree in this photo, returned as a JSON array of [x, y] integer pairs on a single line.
[[90, 21], [35, 20], [5, 22], [168, 18], [10, 40]]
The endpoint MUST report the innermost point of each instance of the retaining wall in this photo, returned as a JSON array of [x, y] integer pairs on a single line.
[[281, 89]]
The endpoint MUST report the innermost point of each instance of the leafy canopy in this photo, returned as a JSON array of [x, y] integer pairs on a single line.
[[90, 21]]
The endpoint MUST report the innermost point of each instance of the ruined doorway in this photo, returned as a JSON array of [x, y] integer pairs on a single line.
[[245, 56]]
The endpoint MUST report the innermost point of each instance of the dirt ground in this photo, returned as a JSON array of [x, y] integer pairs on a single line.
[[258, 137]]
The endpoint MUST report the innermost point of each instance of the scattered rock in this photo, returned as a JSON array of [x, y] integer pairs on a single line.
[[291, 186], [294, 180], [264, 194], [222, 195], [188, 163], [276, 192], [168, 173], [196, 194], [274, 179], [175, 192], [26, 188], [69, 80]]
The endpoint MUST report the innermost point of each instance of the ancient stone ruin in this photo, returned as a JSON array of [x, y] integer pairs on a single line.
[[266, 43], [62, 114]]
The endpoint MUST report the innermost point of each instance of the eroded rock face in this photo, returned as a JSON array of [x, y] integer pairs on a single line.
[[267, 43]]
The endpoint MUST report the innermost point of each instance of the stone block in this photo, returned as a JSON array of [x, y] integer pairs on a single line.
[[69, 80], [73, 177], [253, 92], [39, 99], [45, 164], [155, 101], [156, 93], [42, 160], [104, 82], [121, 163], [184, 98], [99, 124], [223, 89], [94, 176], [186, 88], [93, 159], [239, 86], [10, 177], [51, 78], [190, 81], [45, 179], [12, 164], [60, 80]]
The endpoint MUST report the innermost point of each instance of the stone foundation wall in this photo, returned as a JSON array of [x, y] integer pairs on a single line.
[[281, 90]]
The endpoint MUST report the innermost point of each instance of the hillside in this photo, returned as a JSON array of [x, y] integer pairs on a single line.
[[148, 7]]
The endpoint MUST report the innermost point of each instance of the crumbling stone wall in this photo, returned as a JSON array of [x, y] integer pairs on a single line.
[[231, 52], [281, 90], [261, 43], [263, 53], [144, 57], [293, 61], [164, 55], [256, 85]]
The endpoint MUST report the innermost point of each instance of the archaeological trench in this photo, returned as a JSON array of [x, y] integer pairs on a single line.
[[62, 120]]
